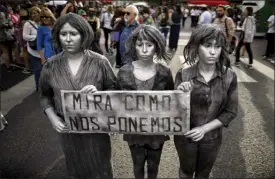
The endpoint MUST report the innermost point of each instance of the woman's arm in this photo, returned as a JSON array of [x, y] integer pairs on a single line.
[[65, 9], [47, 102], [27, 32], [40, 44]]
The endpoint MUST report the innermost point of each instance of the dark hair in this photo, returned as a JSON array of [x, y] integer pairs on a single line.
[[230, 12], [202, 34], [178, 9], [150, 33], [249, 11], [77, 22], [204, 8], [146, 10]]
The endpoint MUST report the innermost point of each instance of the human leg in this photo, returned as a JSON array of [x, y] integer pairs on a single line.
[[207, 155], [249, 52], [153, 160], [187, 153], [138, 156], [106, 36]]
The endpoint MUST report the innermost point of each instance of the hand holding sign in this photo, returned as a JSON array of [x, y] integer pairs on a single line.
[[186, 86], [58, 125], [88, 89]]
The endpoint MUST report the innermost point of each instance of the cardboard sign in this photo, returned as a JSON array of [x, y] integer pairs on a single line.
[[127, 112]]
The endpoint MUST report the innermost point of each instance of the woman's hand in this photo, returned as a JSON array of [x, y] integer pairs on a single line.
[[186, 86], [58, 125], [88, 89], [43, 61], [196, 134]]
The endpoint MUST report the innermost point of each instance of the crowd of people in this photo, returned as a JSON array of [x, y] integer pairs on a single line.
[[63, 51]]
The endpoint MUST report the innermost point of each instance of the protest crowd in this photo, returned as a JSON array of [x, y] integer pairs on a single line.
[[60, 45]]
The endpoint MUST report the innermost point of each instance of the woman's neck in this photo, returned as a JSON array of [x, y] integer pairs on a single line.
[[76, 56], [206, 68], [145, 63]]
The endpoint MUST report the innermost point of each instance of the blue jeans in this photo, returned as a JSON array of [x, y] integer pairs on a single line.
[[165, 31], [36, 67]]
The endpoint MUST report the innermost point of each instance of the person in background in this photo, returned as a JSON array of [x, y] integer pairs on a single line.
[[118, 24], [130, 16], [193, 17], [94, 22], [270, 38], [247, 36], [213, 13], [156, 15], [163, 21], [225, 23], [69, 7], [185, 13], [144, 74], [45, 44], [80, 69], [30, 35], [146, 17], [206, 16], [213, 91], [152, 10], [6, 40], [106, 25], [175, 29]]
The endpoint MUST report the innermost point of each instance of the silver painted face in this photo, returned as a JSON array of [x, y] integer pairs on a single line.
[[209, 52], [70, 39], [145, 50]]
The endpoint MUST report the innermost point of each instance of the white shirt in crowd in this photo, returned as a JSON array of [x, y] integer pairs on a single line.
[[30, 34], [205, 18], [106, 18], [193, 12], [198, 12], [271, 26], [186, 12]]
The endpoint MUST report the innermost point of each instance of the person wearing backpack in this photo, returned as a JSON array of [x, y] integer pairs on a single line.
[[30, 35], [163, 20], [227, 25]]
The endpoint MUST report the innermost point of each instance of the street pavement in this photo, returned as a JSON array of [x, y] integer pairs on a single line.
[[30, 148]]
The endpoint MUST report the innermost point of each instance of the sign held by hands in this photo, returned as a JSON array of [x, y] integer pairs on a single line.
[[127, 112]]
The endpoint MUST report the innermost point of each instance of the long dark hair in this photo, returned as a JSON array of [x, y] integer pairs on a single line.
[[202, 34]]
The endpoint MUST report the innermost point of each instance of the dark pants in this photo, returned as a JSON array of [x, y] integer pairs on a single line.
[[140, 154], [248, 49], [174, 36], [196, 157], [164, 31], [118, 55], [106, 36], [36, 67], [270, 45], [194, 21]]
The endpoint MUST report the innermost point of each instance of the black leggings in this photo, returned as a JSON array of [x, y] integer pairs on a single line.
[[106, 36], [141, 154], [248, 49]]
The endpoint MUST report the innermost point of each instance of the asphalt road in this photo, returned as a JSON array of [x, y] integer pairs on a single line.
[[29, 147]]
